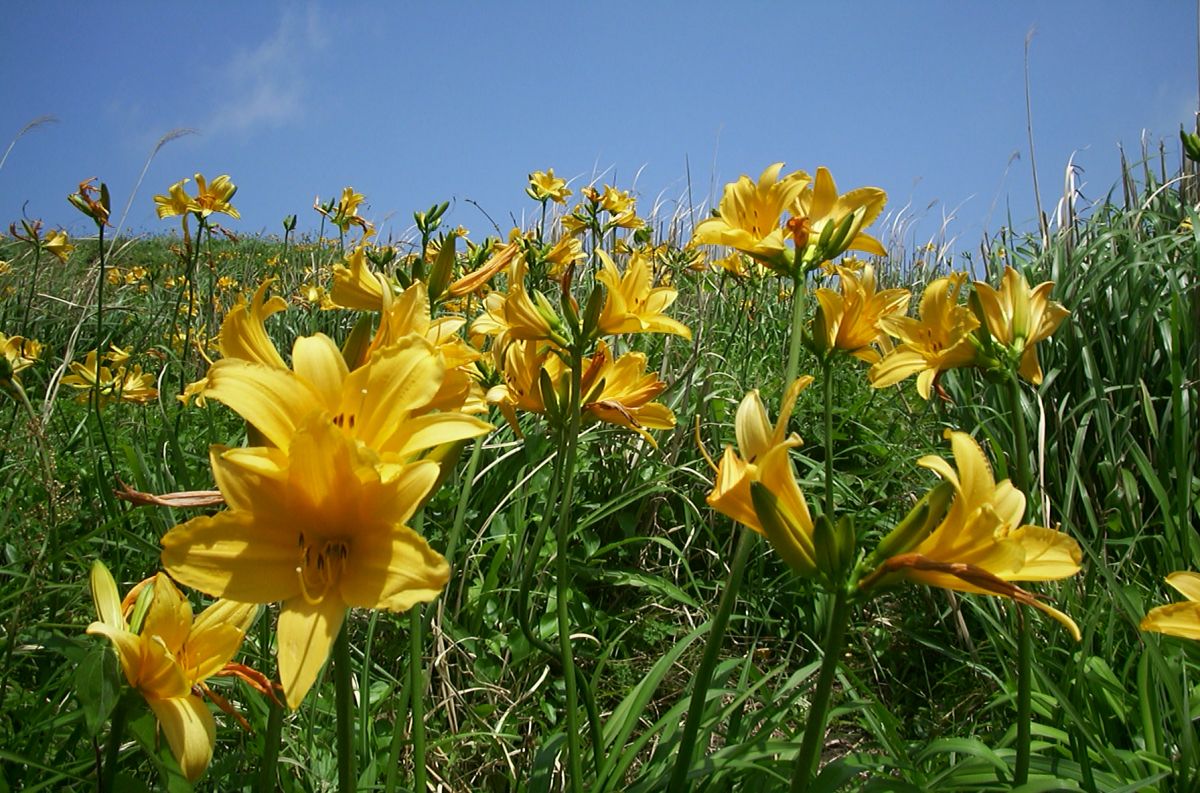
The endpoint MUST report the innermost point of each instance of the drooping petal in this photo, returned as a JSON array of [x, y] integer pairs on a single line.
[[1049, 555], [190, 730], [1175, 619], [306, 632]]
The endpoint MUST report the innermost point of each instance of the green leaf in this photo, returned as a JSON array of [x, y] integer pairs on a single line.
[[97, 686]]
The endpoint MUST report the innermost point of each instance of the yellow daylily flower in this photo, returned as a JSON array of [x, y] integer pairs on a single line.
[[750, 215], [941, 339], [356, 285], [616, 202], [170, 657], [243, 333], [981, 545], [320, 529], [345, 212], [130, 385], [56, 243], [175, 202], [625, 393], [762, 457], [215, 197], [382, 405], [515, 314], [545, 186], [1018, 318], [632, 304], [820, 205], [563, 254], [1178, 619], [849, 319], [20, 352]]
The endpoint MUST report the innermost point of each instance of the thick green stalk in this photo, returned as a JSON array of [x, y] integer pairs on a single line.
[[818, 711], [827, 372], [116, 734], [416, 666], [797, 335], [1022, 479], [563, 583], [344, 703], [708, 664], [268, 769]]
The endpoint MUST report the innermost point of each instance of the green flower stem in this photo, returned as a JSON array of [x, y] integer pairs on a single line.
[[344, 704], [563, 584], [112, 461], [708, 663], [268, 769], [416, 666], [798, 308], [827, 374], [116, 734], [464, 496], [1022, 480], [814, 731]]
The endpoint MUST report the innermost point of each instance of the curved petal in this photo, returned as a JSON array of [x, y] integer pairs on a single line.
[[1176, 619], [306, 632], [275, 401], [393, 571], [190, 730], [753, 427], [420, 433], [216, 637], [378, 398], [1186, 583], [319, 362], [1049, 554], [106, 597], [169, 616], [234, 555]]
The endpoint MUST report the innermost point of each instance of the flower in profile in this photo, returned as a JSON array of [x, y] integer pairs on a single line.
[[849, 320], [56, 243], [1018, 317], [545, 186], [750, 215], [633, 304], [1178, 619], [516, 314], [761, 459], [169, 655], [128, 385], [563, 254], [819, 208], [981, 545], [175, 202], [356, 285], [318, 527], [614, 201], [941, 339]]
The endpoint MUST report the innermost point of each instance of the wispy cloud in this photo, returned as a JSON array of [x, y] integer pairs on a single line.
[[266, 84]]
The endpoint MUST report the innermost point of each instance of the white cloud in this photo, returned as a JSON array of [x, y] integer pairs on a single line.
[[265, 86]]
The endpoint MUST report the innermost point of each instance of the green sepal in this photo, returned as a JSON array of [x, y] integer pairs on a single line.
[[354, 349], [920, 521], [443, 267], [766, 507]]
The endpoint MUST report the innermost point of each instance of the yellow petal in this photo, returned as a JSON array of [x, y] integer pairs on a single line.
[[1176, 619], [169, 616], [190, 732], [233, 555], [306, 632], [1186, 583], [319, 362], [216, 636], [379, 397], [275, 401], [753, 427], [1049, 555], [393, 571], [425, 432]]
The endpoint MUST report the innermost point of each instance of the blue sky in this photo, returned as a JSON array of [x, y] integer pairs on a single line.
[[417, 103]]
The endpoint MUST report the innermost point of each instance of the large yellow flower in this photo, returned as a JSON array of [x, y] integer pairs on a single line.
[[941, 339], [620, 392], [1019, 317], [750, 215], [762, 458], [849, 320], [171, 656], [317, 527], [633, 304], [981, 545], [382, 405], [820, 205], [1178, 619]]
